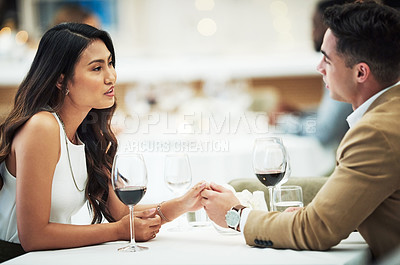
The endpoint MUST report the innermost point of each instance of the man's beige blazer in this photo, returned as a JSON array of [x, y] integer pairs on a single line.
[[362, 193]]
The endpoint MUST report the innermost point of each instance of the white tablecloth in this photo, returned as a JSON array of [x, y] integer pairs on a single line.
[[202, 245]]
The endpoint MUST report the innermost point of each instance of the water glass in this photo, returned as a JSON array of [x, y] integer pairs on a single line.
[[286, 196]]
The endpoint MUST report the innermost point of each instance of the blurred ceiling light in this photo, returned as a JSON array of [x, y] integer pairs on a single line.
[[207, 27], [279, 8], [282, 24], [5, 30], [21, 37], [204, 5]]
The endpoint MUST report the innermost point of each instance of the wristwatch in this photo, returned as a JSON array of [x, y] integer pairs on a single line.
[[232, 217]]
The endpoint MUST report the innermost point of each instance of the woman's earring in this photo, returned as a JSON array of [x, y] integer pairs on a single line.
[[66, 93]]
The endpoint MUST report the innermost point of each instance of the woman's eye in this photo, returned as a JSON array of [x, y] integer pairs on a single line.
[[97, 68]]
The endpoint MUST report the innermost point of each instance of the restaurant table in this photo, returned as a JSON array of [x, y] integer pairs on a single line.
[[199, 245]]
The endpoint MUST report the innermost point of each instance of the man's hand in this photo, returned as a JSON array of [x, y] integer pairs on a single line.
[[217, 200]]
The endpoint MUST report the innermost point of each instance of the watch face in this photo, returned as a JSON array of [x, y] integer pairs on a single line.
[[232, 218]]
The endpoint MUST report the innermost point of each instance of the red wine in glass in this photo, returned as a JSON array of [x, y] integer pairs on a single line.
[[129, 181], [270, 162], [131, 195], [270, 178]]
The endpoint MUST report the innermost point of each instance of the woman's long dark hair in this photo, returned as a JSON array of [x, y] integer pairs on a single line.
[[58, 52]]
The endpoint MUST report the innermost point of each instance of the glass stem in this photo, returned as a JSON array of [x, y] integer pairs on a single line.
[[180, 221], [270, 190], [132, 227]]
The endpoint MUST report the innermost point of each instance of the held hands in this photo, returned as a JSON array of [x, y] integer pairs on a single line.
[[217, 200], [191, 200]]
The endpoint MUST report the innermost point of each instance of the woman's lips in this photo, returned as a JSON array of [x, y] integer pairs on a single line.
[[110, 92]]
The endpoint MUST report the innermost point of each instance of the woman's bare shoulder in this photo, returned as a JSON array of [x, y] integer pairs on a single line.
[[42, 125], [38, 138], [43, 120]]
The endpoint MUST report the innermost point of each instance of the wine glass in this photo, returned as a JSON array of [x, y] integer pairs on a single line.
[[129, 181], [177, 177], [288, 171], [270, 162]]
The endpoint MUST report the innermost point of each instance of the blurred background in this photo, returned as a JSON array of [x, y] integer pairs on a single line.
[[219, 48], [194, 76], [203, 77]]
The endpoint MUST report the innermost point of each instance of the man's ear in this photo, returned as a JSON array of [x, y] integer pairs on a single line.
[[60, 81], [363, 72]]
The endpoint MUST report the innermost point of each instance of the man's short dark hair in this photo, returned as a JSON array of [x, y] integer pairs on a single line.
[[322, 5], [368, 32]]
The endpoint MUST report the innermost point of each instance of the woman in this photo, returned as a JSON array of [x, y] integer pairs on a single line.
[[57, 148]]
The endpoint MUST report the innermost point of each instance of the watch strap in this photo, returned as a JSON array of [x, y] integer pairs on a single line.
[[238, 208]]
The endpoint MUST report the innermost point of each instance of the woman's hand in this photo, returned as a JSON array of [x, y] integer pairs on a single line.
[[191, 200], [147, 225]]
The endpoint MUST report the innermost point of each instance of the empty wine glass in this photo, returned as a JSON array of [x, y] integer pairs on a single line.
[[129, 181], [270, 162], [178, 178]]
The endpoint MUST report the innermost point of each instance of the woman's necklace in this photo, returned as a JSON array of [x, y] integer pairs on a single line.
[[69, 159]]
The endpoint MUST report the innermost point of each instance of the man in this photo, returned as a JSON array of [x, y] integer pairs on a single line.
[[361, 66]]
